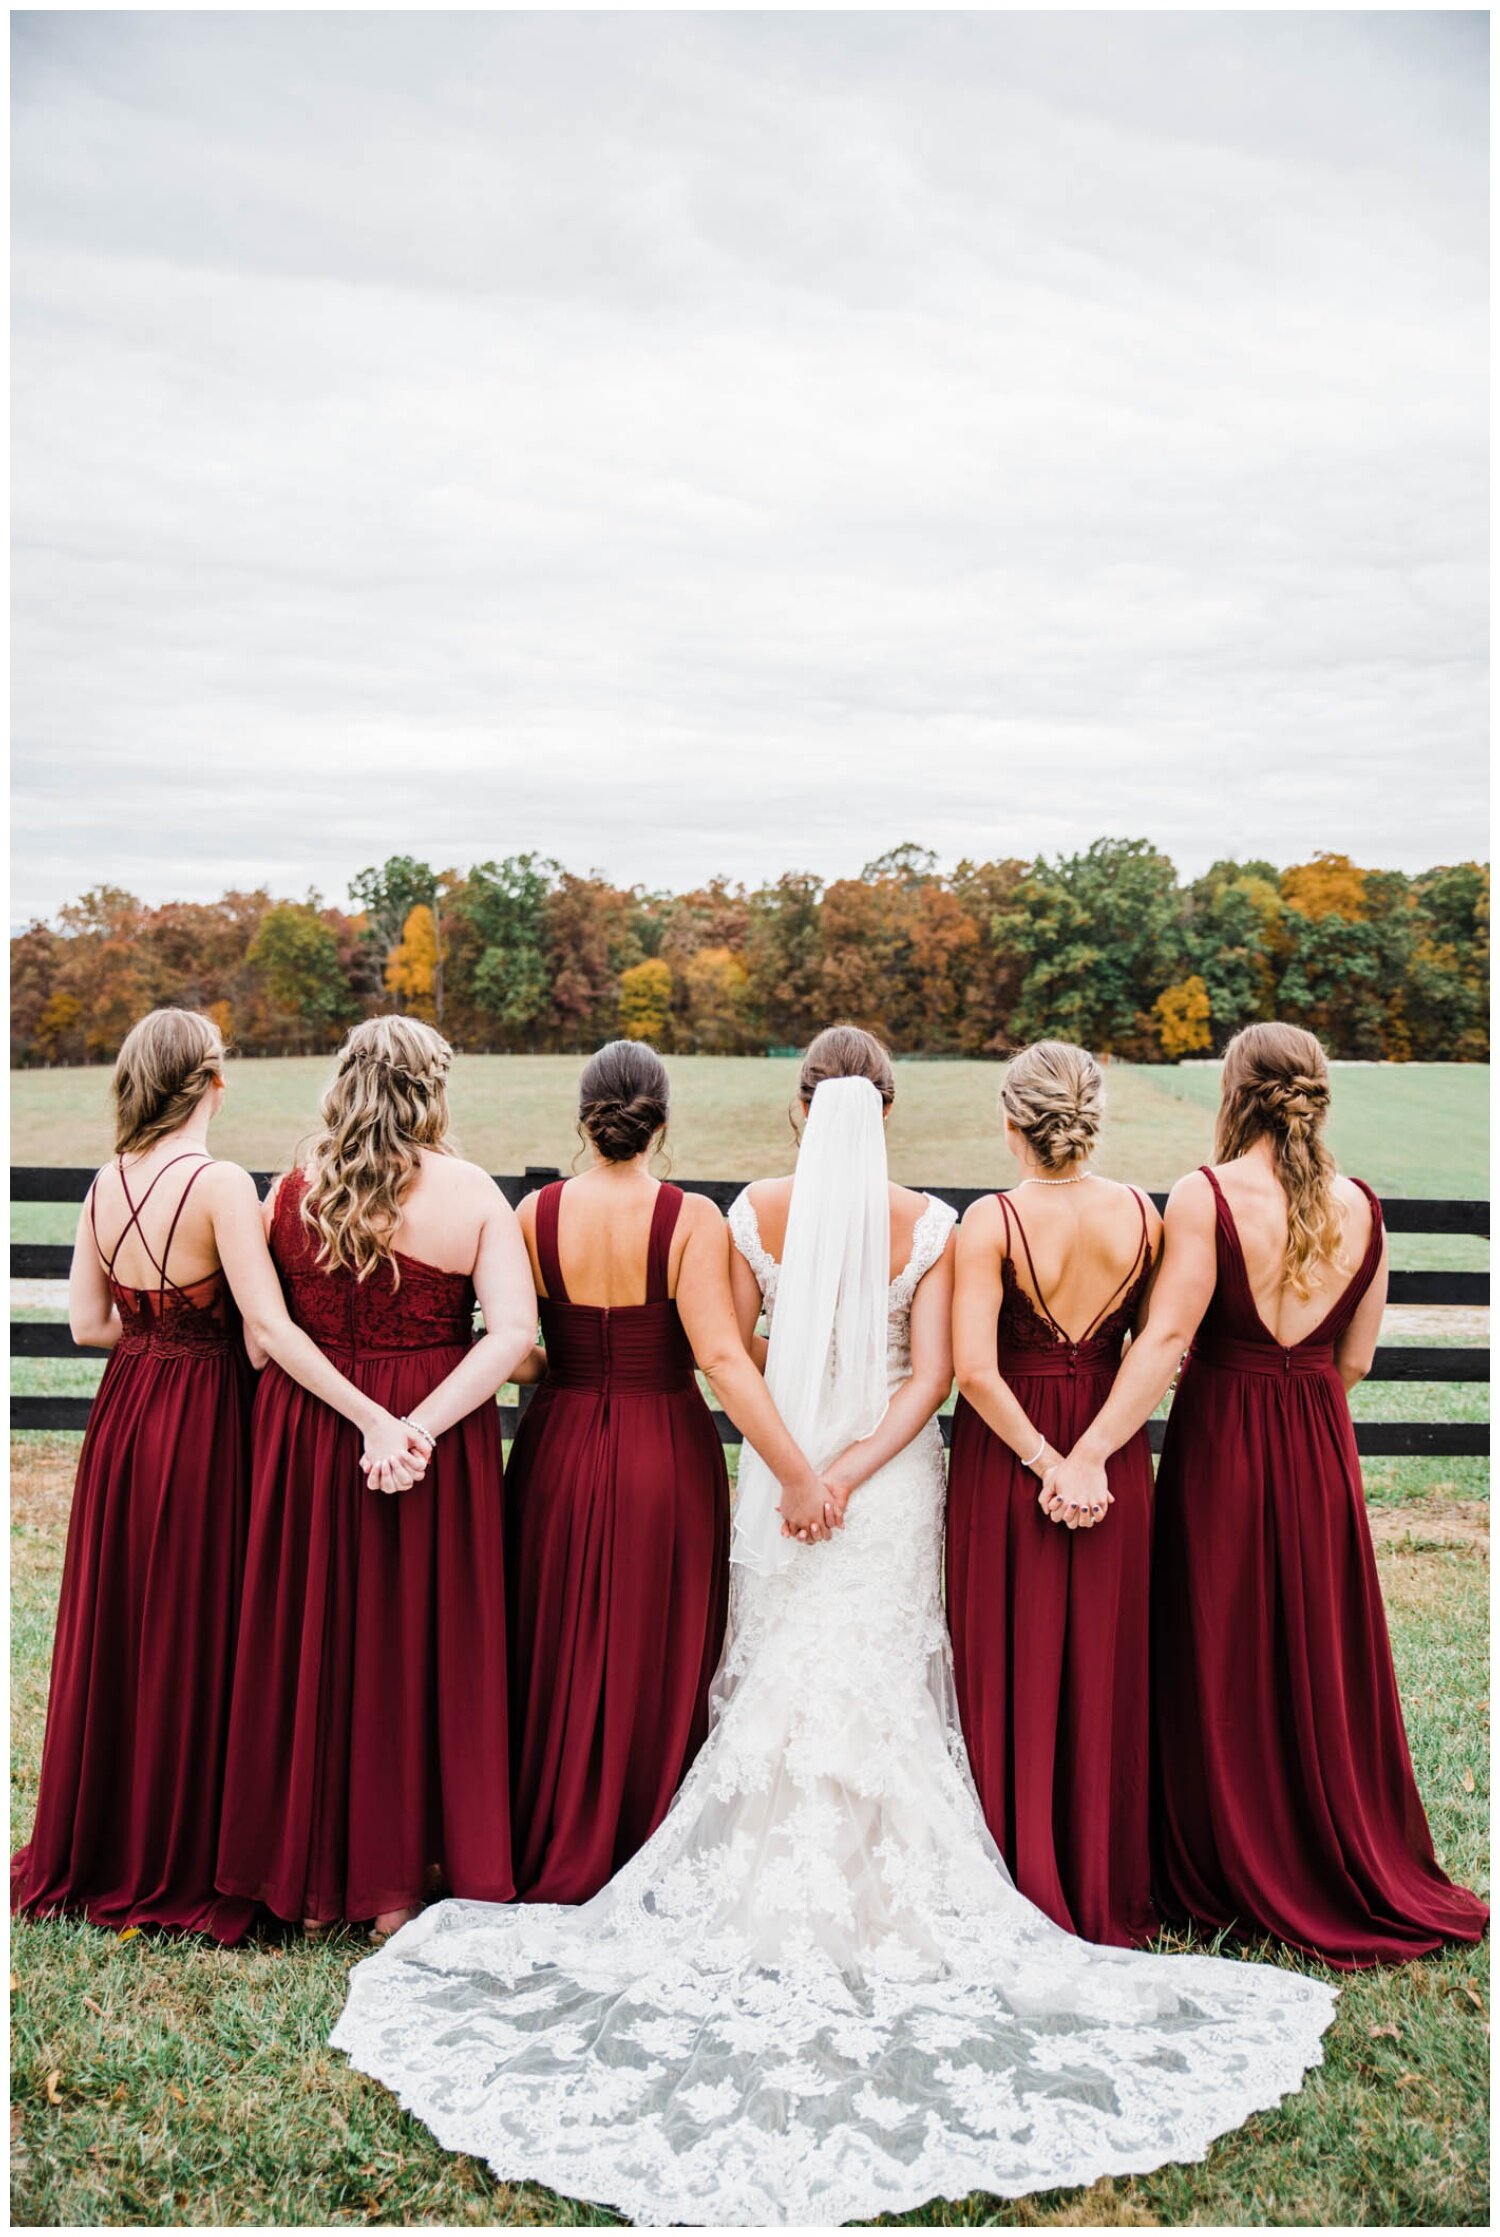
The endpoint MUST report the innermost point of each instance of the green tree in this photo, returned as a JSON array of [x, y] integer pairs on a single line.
[[1102, 935], [296, 957]]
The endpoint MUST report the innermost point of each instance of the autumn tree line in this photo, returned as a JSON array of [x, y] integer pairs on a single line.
[[1107, 947]]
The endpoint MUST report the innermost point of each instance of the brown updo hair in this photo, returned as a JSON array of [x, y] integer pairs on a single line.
[[846, 1052], [387, 1100], [166, 1065], [1275, 1087], [623, 1098], [1053, 1094]]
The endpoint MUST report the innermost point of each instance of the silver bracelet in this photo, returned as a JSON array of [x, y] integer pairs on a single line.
[[418, 1431], [1036, 1456]]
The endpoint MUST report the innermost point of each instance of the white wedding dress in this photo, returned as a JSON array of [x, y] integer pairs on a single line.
[[815, 1995]]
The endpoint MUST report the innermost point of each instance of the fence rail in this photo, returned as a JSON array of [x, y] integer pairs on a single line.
[[1394, 1363]]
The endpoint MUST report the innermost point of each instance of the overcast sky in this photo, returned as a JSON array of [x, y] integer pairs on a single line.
[[693, 443]]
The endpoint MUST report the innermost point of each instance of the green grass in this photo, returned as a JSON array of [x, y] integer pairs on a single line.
[[165, 2083], [1409, 1129]]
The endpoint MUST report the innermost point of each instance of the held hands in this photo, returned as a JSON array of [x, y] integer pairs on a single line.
[[1074, 1491], [812, 1508], [394, 1457]]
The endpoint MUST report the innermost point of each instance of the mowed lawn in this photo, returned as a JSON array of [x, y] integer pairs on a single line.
[[159, 2083]]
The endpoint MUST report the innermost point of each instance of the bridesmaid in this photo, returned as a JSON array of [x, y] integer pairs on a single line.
[[1050, 1646], [367, 1737], [617, 1520], [1286, 1796], [169, 1253]]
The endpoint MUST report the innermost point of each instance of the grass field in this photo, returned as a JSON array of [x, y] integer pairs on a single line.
[[166, 2084]]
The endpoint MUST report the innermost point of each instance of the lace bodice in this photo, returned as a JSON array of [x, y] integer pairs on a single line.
[[928, 1239], [427, 1309]]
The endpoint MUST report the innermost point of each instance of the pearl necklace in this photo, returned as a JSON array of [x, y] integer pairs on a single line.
[[1036, 1180]]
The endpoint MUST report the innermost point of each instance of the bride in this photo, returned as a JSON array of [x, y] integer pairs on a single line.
[[815, 1995]]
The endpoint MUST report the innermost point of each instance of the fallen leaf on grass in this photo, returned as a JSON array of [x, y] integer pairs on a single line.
[[90, 2006], [126, 1933], [1468, 1782], [54, 2094], [1392, 2031], [177, 2093], [1470, 1989], [15, 1984]]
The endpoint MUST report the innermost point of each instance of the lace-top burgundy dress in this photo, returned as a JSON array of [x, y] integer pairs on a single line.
[[133, 1759], [1050, 1648], [368, 1753]]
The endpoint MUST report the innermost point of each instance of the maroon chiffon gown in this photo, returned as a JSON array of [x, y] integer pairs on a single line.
[[617, 1558], [1049, 1625], [133, 1760], [1286, 1801], [367, 1743]]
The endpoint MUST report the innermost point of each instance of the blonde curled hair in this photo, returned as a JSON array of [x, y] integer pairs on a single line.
[[1275, 1088], [1053, 1094], [167, 1063], [387, 1101]]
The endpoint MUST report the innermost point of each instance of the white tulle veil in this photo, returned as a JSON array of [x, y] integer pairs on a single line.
[[826, 1366]]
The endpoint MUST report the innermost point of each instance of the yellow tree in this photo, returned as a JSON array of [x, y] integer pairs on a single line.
[[412, 966], [1328, 886], [646, 1001], [715, 983], [1183, 1015]]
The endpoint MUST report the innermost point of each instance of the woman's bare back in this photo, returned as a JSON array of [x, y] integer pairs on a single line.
[[1258, 1203], [1085, 1246]]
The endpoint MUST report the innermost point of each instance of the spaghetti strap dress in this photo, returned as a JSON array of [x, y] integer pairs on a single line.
[[1049, 1626], [1286, 1800], [367, 1745], [617, 1557], [133, 1759]]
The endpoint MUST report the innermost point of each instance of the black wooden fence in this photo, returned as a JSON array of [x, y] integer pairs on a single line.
[[1404, 1215]]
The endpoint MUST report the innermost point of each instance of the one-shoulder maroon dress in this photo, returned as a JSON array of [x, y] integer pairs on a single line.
[[1286, 1800], [368, 1737], [617, 1522], [133, 1760], [1049, 1625]]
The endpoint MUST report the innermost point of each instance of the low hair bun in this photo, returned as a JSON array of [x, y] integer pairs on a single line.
[[623, 1099], [1053, 1094]]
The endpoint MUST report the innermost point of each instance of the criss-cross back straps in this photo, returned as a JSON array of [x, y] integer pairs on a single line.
[[1012, 1212], [664, 1214], [547, 1205], [136, 1210]]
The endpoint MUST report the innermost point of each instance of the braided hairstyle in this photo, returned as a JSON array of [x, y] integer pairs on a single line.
[[623, 1097], [387, 1100], [1275, 1088], [167, 1063], [1053, 1094]]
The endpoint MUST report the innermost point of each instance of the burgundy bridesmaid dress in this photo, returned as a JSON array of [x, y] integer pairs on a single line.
[[1049, 1625], [367, 1742], [132, 1765], [617, 1556], [1286, 1801]]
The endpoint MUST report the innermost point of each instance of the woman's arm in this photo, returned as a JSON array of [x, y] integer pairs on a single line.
[[531, 1369], [507, 1298], [92, 1316], [240, 1240], [978, 1291], [914, 1402], [1184, 1283], [705, 1303], [745, 1291], [1354, 1353]]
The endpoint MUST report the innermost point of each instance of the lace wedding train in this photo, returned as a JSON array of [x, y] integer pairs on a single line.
[[815, 1995]]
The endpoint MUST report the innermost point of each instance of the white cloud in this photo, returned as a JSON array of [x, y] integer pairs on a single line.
[[685, 443]]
